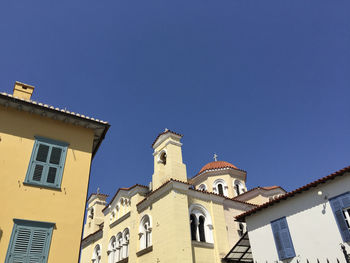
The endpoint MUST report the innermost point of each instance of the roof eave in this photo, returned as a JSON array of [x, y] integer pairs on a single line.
[[75, 119]]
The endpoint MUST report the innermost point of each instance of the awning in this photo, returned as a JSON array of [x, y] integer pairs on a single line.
[[241, 251]]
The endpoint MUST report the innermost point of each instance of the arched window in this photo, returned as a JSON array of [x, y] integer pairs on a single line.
[[112, 250], [220, 187], [240, 229], [201, 229], [239, 187], [145, 232], [119, 255], [96, 255], [126, 236], [113, 214], [193, 221], [92, 212], [202, 187], [162, 157], [201, 226]]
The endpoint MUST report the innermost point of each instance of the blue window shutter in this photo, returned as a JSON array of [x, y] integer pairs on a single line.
[[39, 245], [338, 204], [286, 238], [283, 239], [47, 163], [30, 242], [20, 244], [278, 241]]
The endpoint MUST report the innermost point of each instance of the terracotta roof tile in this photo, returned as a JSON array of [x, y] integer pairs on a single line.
[[100, 127], [216, 165], [267, 188], [193, 189], [322, 180], [53, 108]]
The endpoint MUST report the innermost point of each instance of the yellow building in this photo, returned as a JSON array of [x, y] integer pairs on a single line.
[[175, 219], [45, 159]]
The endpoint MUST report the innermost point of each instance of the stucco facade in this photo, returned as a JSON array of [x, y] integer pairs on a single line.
[[62, 206], [185, 224], [312, 225]]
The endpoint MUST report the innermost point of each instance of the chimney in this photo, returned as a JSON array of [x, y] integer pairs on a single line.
[[23, 91]]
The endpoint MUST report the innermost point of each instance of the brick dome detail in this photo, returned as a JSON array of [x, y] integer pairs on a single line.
[[217, 165]]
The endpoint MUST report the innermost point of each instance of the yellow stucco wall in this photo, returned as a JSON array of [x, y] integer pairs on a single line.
[[259, 199], [64, 207]]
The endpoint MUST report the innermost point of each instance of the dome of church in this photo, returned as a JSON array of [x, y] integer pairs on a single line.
[[217, 165]]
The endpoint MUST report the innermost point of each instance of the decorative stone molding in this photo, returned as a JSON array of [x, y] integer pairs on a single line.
[[119, 220], [144, 251], [124, 260], [202, 244]]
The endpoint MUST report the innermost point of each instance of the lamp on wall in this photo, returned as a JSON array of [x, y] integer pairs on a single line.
[[320, 193]]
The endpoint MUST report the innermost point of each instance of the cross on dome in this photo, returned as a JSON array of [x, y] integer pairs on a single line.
[[215, 157]]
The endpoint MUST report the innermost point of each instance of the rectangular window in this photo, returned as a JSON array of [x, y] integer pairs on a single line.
[[47, 163], [341, 210], [282, 238], [30, 242]]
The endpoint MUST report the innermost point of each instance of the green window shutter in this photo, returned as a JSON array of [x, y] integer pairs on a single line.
[[283, 240], [47, 163], [30, 242], [338, 204]]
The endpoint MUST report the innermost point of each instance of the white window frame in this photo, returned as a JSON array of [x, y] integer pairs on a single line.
[[145, 232], [224, 186], [241, 186], [112, 249], [96, 255], [126, 237], [347, 216], [202, 187], [198, 210]]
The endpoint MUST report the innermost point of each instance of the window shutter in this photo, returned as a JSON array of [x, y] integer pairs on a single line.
[[43, 151], [47, 162], [20, 244], [38, 245], [286, 239], [283, 239], [276, 234], [338, 204], [30, 242]]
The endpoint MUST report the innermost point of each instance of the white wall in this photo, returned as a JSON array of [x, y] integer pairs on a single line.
[[311, 222]]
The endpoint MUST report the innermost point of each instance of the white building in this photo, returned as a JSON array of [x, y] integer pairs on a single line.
[[309, 224]]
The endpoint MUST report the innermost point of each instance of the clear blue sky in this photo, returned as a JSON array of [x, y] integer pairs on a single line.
[[264, 84]]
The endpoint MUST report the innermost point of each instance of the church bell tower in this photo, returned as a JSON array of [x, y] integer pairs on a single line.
[[168, 159]]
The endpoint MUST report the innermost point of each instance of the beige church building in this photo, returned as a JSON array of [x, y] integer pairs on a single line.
[[175, 218]]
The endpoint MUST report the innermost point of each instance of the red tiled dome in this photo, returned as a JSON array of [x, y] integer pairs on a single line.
[[217, 165]]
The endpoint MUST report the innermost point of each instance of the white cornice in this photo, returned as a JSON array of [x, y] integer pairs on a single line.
[[237, 174], [185, 189], [163, 137], [166, 144], [124, 193]]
